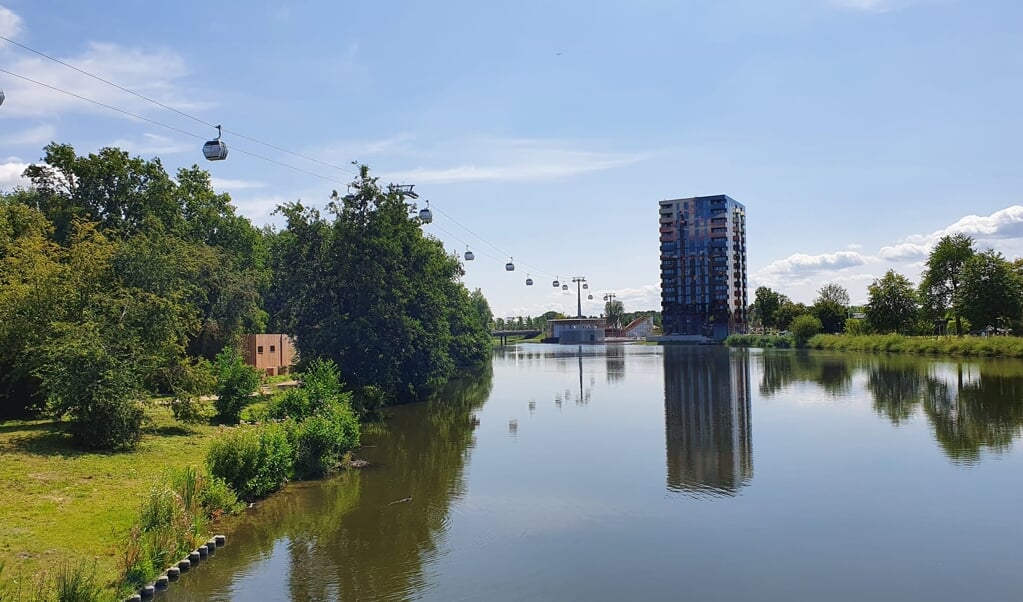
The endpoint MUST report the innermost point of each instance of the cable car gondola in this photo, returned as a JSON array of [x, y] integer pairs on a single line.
[[555, 284], [564, 287], [585, 285], [590, 297], [216, 149], [427, 216], [510, 266], [529, 281], [468, 254]]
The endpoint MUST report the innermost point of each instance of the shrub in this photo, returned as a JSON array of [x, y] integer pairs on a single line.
[[369, 400], [292, 403], [322, 440], [236, 382], [803, 327], [855, 327], [217, 498], [253, 463]]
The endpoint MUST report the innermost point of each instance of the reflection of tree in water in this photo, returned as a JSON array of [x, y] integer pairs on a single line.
[[780, 369], [351, 537], [897, 385], [969, 417], [615, 359], [707, 419]]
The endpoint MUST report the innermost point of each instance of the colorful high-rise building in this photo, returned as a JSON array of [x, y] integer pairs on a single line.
[[703, 266]]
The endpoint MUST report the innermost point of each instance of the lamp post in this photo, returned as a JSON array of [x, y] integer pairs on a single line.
[[579, 280]]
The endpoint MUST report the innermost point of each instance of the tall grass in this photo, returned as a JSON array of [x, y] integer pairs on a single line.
[[896, 343], [172, 521], [759, 340]]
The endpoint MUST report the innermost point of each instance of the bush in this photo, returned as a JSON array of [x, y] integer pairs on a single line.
[[236, 382], [855, 326], [369, 400], [803, 327], [322, 440], [108, 421], [293, 403], [253, 463]]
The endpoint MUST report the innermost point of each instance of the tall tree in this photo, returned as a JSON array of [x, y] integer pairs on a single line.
[[892, 303], [765, 305], [614, 311], [831, 307], [943, 275], [366, 288], [991, 290]]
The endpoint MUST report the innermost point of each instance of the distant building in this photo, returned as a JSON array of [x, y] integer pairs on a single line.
[[703, 266], [576, 331], [271, 354], [639, 328]]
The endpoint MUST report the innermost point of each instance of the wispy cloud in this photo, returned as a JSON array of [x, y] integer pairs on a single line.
[[10, 174], [156, 74], [155, 144], [864, 5], [987, 230], [37, 136], [503, 159], [10, 23]]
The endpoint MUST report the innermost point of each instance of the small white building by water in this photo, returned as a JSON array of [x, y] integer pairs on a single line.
[[576, 331]]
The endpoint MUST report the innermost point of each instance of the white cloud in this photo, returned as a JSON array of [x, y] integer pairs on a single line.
[[222, 184], [10, 23], [801, 263], [904, 251], [503, 159], [987, 230], [155, 144], [37, 136], [10, 174], [855, 246], [152, 73], [257, 209]]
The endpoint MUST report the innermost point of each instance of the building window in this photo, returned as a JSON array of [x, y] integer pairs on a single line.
[[259, 349], [273, 349]]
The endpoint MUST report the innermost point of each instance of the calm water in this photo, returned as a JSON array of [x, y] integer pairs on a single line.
[[649, 473]]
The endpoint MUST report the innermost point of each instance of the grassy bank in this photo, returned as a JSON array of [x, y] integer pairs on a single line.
[[894, 343], [64, 506]]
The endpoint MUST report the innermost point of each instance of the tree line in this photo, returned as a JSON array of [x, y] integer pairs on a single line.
[[961, 290], [118, 281]]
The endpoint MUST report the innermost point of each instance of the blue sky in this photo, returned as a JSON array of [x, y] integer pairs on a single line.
[[855, 131]]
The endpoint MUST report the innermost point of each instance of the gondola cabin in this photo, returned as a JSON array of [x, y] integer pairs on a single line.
[[555, 284], [216, 149], [510, 266], [529, 281], [469, 255]]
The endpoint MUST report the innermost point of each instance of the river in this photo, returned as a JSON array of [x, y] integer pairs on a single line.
[[661, 473]]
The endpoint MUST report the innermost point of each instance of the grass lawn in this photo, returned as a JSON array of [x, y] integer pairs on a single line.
[[64, 505]]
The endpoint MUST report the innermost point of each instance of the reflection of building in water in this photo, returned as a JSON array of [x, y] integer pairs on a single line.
[[707, 417]]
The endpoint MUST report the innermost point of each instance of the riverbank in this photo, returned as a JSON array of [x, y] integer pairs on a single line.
[[968, 346], [64, 506]]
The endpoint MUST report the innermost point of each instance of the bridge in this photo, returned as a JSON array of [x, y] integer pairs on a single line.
[[504, 334]]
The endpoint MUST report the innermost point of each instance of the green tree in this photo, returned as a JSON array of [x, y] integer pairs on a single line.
[[614, 311], [366, 288], [765, 306], [787, 312], [803, 327], [831, 307], [892, 303], [235, 383], [940, 283], [991, 290]]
